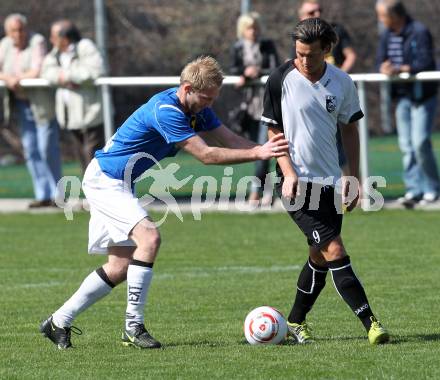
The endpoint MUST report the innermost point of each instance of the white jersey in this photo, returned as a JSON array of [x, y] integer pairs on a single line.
[[308, 114]]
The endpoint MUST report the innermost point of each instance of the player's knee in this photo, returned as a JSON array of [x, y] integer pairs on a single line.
[[155, 240], [122, 269], [119, 275], [150, 241], [117, 272], [335, 252]]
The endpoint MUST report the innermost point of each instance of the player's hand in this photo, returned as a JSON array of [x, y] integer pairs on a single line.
[[277, 146], [350, 193], [290, 187]]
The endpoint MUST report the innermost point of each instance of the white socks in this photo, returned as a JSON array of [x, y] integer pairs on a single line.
[[138, 283], [92, 289]]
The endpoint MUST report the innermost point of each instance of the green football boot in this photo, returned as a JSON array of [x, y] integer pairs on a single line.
[[377, 333], [300, 332]]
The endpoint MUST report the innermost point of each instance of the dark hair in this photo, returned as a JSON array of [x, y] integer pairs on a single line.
[[395, 7], [71, 32], [315, 29]]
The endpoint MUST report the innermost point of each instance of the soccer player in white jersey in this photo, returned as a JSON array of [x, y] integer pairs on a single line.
[[176, 118], [306, 98]]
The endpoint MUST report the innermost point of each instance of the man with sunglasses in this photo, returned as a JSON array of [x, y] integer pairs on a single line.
[[342, 54]]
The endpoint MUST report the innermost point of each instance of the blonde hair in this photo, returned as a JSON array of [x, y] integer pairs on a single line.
[[202, 73], [246, 20]]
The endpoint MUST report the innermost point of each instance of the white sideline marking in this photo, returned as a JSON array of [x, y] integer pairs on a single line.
[[194, 272], [39, 285], [208, 272], [55, 270]]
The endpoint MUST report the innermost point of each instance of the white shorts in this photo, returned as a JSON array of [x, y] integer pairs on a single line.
[[114, 210]]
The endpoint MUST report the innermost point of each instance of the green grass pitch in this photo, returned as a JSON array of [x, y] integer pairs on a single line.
[[208, 276]]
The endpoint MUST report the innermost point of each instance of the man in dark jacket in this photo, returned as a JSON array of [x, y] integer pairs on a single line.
[[406, 47]]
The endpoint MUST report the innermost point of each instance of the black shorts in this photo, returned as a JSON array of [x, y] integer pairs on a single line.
[[322, 222]]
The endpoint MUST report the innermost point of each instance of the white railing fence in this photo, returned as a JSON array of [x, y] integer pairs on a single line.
[[164, 81]]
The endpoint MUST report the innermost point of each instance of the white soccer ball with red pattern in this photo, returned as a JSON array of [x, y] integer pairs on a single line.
[[265, 325]]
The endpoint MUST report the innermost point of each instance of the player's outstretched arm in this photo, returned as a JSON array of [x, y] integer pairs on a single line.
[[229, 139], [210, 138], [277, 146]]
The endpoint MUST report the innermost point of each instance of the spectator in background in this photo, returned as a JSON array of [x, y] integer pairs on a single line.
[[253, 57], [406, 46], [342, 55], [21, 56], [73, 65]]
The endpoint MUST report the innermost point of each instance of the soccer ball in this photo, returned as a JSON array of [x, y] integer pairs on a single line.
[[265, 325]]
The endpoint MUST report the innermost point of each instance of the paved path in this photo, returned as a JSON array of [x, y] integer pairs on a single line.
[[21, 205]]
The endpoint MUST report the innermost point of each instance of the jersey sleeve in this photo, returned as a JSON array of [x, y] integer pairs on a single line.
[[172, 123], [272, 116], [350, 109]]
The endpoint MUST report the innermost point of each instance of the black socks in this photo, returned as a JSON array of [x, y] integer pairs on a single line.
[[312, 280], [350, 289], [310, 283]]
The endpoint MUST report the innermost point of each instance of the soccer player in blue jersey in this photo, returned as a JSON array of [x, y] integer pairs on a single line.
[[178, 118]]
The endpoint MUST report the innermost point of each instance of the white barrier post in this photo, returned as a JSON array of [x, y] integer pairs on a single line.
[[363, 137], [101, 40], [385, 107], [107, 109]]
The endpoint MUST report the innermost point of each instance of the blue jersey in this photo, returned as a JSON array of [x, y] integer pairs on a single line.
[[154, 128]]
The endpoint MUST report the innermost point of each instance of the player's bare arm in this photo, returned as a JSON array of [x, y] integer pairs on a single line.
[[210, 138], [229, 139], [350, 141], [224, 137], [196, 146], [290, 184]]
